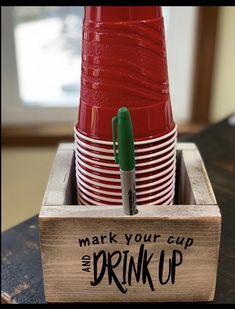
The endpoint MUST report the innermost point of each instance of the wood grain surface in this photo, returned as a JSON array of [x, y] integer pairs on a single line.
[[71, 234], [65, 241]]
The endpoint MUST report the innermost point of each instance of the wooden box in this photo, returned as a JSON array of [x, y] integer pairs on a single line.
[[162, 254]]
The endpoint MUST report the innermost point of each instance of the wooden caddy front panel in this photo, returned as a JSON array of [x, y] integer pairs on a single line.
[[97, 254]]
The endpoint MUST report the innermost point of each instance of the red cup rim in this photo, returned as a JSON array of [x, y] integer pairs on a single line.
[[115, 193], [170, 195], [148, 155], [109, 172], [170, 173], [137, 150], [115, 167], [107, 198], [121, 14], [117, 179], [147, 140]]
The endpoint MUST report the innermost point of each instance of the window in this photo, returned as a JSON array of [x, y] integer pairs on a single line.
[[41, 56], [48, 44]]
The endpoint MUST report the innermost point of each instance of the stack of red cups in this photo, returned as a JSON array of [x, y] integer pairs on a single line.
[[124, 64]]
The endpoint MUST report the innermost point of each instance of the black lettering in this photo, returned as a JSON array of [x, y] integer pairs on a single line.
[[146, 275], [188, 243], [138, 237], [170, 240], [124, 266], [175, 263], [84, 242], [147, 237], [86, 263], [95, 240], [111, 237], [96, 257], [102, 237], [111, 273], [155, 237], [161, 267], [180, 241], [132, 267], [128, 239]]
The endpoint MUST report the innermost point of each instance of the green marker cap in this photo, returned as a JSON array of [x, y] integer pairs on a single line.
[[122, 132]]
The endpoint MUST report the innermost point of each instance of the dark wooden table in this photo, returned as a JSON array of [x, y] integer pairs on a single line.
[[22, 280]]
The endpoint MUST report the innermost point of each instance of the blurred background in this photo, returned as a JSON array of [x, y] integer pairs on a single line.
[[41, 60]]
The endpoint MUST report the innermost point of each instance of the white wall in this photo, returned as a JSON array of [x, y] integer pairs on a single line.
[[223, 91], [180, 43]]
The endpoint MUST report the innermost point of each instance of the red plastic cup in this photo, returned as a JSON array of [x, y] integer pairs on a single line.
[[114, 193], [106, 197], [124, 64], [138, 150], [138, 144], [101, 188], [121, 13], [165, 199], [116, 187]]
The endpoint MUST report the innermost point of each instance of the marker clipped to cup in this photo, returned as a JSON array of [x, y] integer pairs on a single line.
[[122, 132]]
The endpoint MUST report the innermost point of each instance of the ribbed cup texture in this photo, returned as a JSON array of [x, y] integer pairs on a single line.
[[124, 64]]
